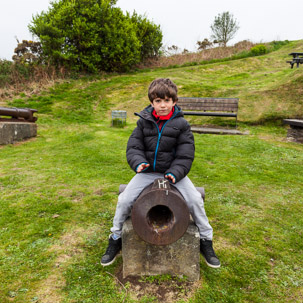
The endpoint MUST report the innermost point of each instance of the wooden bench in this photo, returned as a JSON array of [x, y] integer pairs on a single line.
[[216, 107]]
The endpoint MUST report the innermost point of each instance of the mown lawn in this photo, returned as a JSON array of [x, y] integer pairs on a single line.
[[59, 191], [58, 195]]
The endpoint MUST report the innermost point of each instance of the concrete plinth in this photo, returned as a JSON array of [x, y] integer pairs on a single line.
[[11, 132], [295, 135], [295, 132], [179, 258], [216, 131]]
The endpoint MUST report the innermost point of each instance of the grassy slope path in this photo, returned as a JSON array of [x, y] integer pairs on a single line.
[[59, 190]]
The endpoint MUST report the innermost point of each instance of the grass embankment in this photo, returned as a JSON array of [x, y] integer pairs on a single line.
[[59, 190]]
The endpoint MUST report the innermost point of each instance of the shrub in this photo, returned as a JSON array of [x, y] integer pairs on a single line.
[[10, 73], [27, 52], [21, 76], [149, 35], [5, 72], [244, 44], [275, 45], [92, 35], [204, 44], [258, 50]]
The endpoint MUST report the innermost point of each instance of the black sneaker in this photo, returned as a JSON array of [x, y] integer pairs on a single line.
[[206, 249], [114, 246]]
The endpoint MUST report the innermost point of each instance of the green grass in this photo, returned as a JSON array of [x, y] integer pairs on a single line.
[[59, 190]]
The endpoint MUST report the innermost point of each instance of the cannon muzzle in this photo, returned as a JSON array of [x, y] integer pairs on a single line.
[[160, 215]]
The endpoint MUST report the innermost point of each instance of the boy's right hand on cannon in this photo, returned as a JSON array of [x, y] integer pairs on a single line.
[[170, 177], [142, 167]]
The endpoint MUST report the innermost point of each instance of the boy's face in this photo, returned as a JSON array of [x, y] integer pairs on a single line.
[[163, 106]]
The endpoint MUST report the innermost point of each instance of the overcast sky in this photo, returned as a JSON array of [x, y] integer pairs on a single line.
[[183, 22]]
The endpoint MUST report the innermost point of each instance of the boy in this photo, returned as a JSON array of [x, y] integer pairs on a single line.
[[162, 144]]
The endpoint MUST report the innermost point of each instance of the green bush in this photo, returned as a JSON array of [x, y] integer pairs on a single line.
[[275, 45], [5, 71], [11, 72], [258, 50], [92, 35], [19, 73], [149, 35]]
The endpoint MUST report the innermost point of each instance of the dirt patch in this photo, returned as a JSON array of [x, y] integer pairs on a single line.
[[98, 192], [50, 291], [168, 290]]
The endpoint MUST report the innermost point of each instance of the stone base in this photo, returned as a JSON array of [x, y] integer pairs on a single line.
[[216, 131], [180, 258], [295, 132], [295, 135], [11, 132]]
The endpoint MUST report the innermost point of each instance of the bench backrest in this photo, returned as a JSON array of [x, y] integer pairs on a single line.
[[209, 104]]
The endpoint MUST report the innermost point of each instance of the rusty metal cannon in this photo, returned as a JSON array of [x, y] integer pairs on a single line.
[[17, 114], [160, 215], [17, 124], [160, 238]]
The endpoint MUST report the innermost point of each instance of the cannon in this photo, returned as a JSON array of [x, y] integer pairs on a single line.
[[160, 237], [18, 114], [160, 215]]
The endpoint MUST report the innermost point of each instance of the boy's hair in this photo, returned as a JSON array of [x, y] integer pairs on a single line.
[[161, 88]]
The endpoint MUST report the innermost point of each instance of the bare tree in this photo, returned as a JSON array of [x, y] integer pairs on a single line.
[[224, 28]]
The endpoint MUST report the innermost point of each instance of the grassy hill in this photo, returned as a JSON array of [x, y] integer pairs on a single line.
[[59, 190], [267, 87]]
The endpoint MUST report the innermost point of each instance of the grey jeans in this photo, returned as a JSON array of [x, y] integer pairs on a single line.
[[192, 197]]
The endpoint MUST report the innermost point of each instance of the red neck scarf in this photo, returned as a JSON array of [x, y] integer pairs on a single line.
[[161, 119], [167, 117]]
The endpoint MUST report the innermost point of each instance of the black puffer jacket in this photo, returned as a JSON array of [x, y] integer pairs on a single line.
[[170, 150]]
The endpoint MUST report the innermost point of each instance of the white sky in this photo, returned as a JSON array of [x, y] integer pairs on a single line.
[[183, 22]]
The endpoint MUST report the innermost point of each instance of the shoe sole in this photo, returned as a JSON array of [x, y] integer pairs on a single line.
[[211, 265], [109, 263], [112, 261]]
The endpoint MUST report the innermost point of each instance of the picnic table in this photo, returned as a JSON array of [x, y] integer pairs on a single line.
[[297, 58]]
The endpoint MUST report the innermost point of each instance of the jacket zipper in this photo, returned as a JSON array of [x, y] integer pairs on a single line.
[[159, 134], [159, 137]]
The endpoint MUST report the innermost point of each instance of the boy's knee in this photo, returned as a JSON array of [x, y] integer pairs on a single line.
[[195, 197]]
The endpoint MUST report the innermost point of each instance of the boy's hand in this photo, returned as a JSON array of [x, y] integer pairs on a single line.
[[142, 166], [170, 177]]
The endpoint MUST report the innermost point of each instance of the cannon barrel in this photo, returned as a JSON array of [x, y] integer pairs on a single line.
[[26, 114], [160, 215]]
